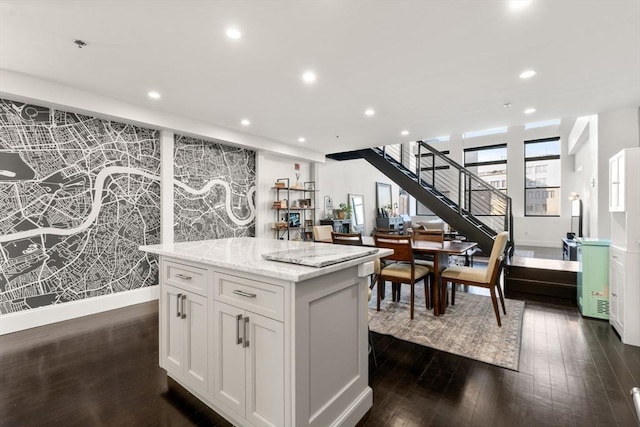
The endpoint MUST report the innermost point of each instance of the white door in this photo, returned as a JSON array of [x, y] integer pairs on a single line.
[[265, 371], [228, 357], [196, 360], [172, 331]]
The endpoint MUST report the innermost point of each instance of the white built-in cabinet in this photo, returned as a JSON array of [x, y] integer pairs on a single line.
[[184, 327], [624, 258], [249, 349], [263, 351]]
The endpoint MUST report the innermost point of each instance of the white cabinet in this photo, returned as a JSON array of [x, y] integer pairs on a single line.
[[616, 183], [624, 262], [184, 331], [249, 364], [616, 289]]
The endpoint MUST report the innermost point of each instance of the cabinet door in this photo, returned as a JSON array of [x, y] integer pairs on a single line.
[[265, 371], [616, 305], [229, 357], [171, 331], [195, 356]]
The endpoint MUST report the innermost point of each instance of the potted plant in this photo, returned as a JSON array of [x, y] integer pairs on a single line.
[[345, 211]]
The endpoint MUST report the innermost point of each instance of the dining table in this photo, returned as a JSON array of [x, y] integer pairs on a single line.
[[440, 252]]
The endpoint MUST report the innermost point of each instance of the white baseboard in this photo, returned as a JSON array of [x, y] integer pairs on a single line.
[[41, 316]]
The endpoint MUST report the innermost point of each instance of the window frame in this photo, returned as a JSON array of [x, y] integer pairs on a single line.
[[545, 188]]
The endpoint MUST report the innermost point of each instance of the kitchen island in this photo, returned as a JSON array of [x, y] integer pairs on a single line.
[[266, 342]]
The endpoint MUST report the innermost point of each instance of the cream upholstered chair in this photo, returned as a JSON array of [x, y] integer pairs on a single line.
[[322, 233], [400, 267], [483, 277]]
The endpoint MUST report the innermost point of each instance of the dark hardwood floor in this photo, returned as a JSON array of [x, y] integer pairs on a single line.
[[102, 370]]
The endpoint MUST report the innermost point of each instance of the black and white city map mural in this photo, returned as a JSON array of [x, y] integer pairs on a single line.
[[78, 195], [214, 190]]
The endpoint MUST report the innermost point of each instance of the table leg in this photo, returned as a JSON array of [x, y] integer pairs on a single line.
[[440, 262]]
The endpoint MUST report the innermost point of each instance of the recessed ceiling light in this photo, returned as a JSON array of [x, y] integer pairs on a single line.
[[245, 122], [530, 111], [369, 112], [233, 33], [527, 74], [153, 94], [507, 105], [404, 133], [309, 77], [518, 4], [301, 139]]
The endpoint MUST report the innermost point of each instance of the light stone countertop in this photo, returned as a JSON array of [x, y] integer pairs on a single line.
[[246, 254]]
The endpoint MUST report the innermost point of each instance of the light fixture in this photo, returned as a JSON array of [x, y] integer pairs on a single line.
[[245, 122], [153, 94], [369, 112], [527, 74], [79, 43], [309, 77], [301, 139], [507, 105], [530, 111], [233, 33], [516, 5], [404, 133]]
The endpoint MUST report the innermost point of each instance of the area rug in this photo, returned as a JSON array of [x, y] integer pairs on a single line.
[[468, 328]]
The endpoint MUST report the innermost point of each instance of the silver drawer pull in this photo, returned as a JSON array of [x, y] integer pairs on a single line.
[[183, 276], [243, 293]]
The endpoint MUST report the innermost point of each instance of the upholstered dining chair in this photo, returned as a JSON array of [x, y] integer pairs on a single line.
[[346, 238], [400, 267], [322, 233], [482, 277], [429, 235]]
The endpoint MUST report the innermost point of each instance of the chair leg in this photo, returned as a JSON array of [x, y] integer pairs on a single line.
[[427, 291], [413, 288], [501, 298], [380, 286], [494, 300], [453, 293]]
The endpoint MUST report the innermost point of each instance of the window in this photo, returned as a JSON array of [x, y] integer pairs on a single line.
[[489, 164], [542, 177]]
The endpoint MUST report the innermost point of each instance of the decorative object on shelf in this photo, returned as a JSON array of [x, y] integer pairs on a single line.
[[345, 211], [293, 219], [310, 186], [297, 185], [280, 184]]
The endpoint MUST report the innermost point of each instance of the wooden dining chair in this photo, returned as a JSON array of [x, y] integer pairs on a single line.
[[346, 238], [379, 230], [429, 235], [322, 233], [482, 277], [400, 267]]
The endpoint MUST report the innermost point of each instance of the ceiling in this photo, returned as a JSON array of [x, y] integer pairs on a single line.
[[430, 67]]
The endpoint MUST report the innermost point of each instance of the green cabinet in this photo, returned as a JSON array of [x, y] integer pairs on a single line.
[[593, 277]]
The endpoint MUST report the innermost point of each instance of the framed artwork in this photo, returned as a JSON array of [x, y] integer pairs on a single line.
[[293, 219]]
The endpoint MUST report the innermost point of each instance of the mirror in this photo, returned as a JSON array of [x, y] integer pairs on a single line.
[[357, 212], [383, 198]]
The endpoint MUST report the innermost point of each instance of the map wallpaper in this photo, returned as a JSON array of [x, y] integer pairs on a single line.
[[79, 194], [214, 190]]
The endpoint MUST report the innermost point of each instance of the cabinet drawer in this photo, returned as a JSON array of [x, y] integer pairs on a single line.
[[185, 276], [616, 255], [259, 297]]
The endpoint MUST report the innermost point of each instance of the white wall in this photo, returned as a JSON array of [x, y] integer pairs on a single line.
[[339, 178]]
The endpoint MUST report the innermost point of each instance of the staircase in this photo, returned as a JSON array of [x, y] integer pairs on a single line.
[[456, 195]]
